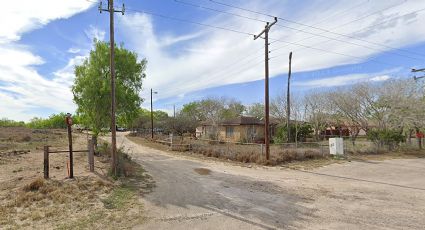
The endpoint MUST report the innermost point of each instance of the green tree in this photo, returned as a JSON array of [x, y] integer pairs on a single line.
[[92, 87], [256, 110], [302, 131], [4, 122]]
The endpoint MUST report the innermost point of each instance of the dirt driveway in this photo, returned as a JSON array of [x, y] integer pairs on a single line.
[[198, 194]]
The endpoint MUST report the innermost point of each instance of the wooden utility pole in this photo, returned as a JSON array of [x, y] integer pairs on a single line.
[[151, 116], [152, 113], [418, 133], [111, 10], [266, 85], [288, 101]]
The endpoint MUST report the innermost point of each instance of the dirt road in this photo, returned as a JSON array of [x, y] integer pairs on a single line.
[[199, 194]]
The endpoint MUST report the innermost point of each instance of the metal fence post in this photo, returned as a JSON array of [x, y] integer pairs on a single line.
[[46, 162]]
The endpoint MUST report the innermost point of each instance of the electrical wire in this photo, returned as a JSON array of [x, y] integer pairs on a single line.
[[328, 30], [190, 22], [299, 30]]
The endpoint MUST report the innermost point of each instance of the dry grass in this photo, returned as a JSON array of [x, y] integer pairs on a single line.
[[29, 201], [241, 153], [307, 157], [21, 138], [35, 185]]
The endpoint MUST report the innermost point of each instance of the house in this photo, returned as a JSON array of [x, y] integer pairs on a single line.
[[240, 129], [342, 131]]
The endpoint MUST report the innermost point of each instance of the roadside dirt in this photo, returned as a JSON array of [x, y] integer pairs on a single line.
[[367, 194], [91, 200]]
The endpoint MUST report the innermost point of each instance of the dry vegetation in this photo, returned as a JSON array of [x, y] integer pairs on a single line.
[[91, 200], [240, 153], [306, 157]]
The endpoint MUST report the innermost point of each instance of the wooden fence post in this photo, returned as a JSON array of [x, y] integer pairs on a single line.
[[46, 162], [91, 155]]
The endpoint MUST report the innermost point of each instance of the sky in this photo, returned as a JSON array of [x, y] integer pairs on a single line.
[[205, 48]]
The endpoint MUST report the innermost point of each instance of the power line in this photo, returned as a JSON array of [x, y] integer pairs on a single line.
[[250, 34], [328, 51], [341, 12], [190, 22], [328, 30], [378, 44], [225, 74], [299, 30]]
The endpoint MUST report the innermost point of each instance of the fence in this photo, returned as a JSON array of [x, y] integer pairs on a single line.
[[70, 165], [254, 152]]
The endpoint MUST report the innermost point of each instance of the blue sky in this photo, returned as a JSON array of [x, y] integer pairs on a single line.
[[39, 47]]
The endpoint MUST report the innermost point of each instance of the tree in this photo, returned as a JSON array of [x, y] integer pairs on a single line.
[[278, 108], [317, 112], [92, 87], [256, 110], [232, 109], [182, 124]]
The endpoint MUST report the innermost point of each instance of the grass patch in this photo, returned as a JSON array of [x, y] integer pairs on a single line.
[[87, 222], [119, 198]]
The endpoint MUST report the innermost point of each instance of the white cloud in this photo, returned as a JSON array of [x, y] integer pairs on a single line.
[[74, 50], [380, 78], [22, 88], [95, 33], [218, 58], [204, 58], [18, 17], [343, 80]]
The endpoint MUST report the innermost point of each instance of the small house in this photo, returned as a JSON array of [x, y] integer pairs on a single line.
[[241, 129]]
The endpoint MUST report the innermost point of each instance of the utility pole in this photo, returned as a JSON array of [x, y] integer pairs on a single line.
[[419, 135], [152, 113], [266, 85], [288, 102], [111, 10], [418, 70]]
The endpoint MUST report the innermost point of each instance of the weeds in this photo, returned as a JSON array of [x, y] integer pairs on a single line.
[[35, 185], [119, 197]]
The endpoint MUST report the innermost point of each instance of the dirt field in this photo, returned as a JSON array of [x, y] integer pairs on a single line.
[[205, 193], [192, 192], [91, 200]]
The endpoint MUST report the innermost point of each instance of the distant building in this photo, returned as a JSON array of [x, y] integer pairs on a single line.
[[240, 129]]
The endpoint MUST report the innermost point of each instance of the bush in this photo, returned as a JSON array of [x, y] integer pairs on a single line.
[[126, 167], [35, 185], [390, 138]]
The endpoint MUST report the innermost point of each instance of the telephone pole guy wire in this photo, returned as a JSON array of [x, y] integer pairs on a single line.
[[111, 10]]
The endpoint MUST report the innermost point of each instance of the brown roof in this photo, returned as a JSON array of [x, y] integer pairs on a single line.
[[243, 120]]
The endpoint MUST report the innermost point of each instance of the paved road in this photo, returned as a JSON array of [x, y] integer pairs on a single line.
[[373, 195]]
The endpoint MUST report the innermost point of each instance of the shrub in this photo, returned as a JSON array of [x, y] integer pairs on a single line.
[[34, 185]]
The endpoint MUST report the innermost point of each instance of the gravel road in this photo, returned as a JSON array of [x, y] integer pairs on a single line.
[[192, 193]]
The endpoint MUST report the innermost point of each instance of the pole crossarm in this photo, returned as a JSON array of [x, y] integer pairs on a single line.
[[418, 70], [122, 11], [267, 28]]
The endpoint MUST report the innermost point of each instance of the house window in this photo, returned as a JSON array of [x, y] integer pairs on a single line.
[[229, 132]]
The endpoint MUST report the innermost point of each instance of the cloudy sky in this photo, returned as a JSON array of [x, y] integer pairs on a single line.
[[204, 48]]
